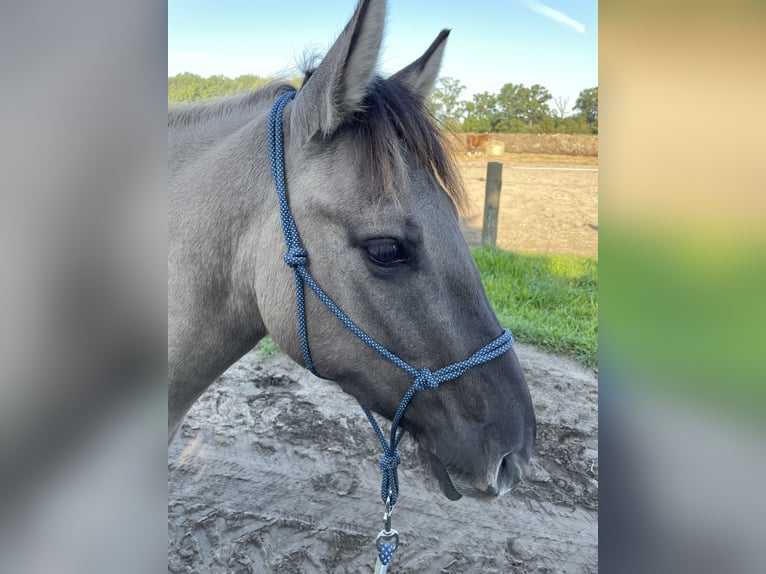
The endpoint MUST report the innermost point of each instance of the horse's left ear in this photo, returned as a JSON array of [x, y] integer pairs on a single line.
[[422, 73]]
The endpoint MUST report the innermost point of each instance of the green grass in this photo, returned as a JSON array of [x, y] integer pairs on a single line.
[[267, 347], [550, 301]]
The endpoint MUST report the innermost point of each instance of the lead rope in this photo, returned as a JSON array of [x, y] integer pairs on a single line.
[[296, 258]]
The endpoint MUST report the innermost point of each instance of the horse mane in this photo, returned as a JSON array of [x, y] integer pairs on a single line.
[[391, 117], [392, 113]]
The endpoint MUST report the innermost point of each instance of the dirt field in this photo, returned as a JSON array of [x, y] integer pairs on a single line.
[[276, 471], [548, 204]]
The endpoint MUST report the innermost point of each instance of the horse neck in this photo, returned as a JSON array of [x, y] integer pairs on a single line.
[[219, 163]]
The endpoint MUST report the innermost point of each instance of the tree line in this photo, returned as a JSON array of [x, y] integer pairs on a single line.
[[515, 109], [187, 87]]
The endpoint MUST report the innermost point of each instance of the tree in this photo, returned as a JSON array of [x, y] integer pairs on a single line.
[[572, 125], [562, 105], [546, 126], [527, 104], [186, 87], [587, 105], [248, 82], [482, 114], [445, 103]]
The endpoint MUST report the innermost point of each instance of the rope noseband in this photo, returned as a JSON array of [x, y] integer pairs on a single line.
[[296, 257]]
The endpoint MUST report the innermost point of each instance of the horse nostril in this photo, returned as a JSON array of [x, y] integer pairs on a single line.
[[511, 471]]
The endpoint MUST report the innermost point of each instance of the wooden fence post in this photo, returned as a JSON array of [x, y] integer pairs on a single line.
[[492, 203]]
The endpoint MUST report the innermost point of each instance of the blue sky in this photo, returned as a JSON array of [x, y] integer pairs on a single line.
[[493, 42]]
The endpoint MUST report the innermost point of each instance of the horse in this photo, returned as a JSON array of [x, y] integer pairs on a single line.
[[375, 196], [475, 143]]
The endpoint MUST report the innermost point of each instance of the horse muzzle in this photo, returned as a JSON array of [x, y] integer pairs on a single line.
[[502, 477]]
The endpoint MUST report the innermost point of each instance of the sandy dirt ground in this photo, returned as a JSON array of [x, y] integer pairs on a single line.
[[274, 470], [547, 205], [277, 471]]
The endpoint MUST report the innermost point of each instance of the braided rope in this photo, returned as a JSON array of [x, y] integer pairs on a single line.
[[296, 258]]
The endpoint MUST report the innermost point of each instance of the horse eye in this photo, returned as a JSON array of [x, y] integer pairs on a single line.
[[385, 252]]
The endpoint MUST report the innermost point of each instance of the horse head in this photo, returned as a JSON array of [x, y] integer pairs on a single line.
[[375, 198]]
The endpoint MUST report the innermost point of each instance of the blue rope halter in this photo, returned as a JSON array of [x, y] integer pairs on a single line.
[[297, 258]]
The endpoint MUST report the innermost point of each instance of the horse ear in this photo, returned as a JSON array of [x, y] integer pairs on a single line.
[[337, 87], [422, 73]]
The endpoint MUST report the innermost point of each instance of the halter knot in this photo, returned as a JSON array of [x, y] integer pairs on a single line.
[[425, 379], [389, 462], [296, 257]]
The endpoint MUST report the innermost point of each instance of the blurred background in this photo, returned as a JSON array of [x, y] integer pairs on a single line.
[[82, 300], [82, 296], [681, 379]]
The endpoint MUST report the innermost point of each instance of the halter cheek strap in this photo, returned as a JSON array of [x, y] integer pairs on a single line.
[[296, 257]]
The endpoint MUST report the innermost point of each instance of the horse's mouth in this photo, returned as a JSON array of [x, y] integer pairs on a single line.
[[442, 476]]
